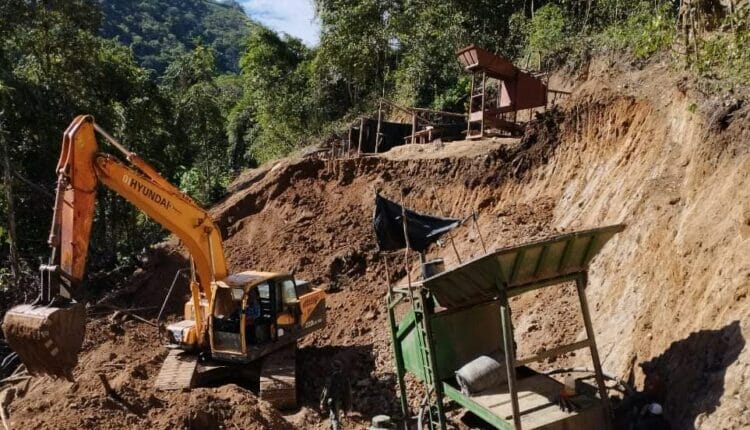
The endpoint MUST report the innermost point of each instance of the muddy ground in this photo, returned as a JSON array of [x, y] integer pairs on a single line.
[[668, 295]]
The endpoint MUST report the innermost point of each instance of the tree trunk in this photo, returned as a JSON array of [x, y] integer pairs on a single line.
[[8, 183]]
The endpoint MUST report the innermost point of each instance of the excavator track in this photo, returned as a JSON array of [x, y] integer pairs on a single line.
[[177, 372], [278, 378]]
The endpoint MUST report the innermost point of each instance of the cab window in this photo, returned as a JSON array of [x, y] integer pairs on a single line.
[[263, 291], [288, 292]]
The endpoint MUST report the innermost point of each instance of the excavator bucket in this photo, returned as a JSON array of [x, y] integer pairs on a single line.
[[46, 338]]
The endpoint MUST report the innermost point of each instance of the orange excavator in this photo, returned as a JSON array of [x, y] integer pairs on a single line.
[[231, 320]]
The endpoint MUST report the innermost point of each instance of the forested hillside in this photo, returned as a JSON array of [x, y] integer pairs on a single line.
[[159, 76], [160, 31], [54, 65]]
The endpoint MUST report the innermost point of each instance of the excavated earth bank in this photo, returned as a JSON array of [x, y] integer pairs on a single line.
[[669, 295]]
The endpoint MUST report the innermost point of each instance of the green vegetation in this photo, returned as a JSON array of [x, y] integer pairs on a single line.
[[726, 54], [53, 66], [646, 31], [200, 91], [161, 31], [277, 76]]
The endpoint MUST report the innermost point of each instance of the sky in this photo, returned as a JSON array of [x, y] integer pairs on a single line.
[[294, 17]]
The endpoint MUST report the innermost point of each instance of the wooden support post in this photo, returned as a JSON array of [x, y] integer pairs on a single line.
[[380, 120], [471, 106], [413, 126], [105, 383], [407, 263], [349, 143], [398, 353], [599, 374], [479, 232], [510, 355], [362, 122], [484, 87], [450, 233]]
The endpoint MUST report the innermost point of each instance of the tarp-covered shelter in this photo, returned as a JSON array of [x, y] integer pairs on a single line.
[[363, 134]]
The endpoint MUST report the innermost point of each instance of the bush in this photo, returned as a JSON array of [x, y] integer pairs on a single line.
[[646, 31], [726, 54], [547, 34]]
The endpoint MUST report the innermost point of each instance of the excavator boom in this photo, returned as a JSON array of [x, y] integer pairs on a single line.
[[48, 334]]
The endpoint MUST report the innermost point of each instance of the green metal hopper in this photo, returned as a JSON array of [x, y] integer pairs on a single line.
[[462, 313]]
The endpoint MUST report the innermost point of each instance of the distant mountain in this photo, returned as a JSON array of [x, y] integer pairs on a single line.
[[157, 31]]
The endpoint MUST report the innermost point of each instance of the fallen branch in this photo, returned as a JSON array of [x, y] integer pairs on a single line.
[[105, 383], [6, 398], [120, 314], [114, 396], [36, 187], [97, 308], [114, 365], [14, 379]]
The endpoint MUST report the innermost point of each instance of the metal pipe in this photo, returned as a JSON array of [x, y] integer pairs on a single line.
[[169, 293], [112, 140]]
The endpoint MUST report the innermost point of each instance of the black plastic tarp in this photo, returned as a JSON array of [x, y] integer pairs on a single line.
[[422, 229]]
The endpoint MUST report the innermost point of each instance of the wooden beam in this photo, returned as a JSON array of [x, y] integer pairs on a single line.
[[471, 106], [484, 88], [440, 112], [362, 122], [510, 357], [554, 352], [599, 374], [349, 143], [413, 127], [394, 105], [380, 120]]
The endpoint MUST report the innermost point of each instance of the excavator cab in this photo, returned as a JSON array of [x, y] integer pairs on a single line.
[[253, 313]]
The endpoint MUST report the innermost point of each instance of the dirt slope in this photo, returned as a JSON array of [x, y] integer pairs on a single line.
[[669, 294]]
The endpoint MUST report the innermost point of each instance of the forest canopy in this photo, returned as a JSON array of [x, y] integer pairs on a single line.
[[201, 91]]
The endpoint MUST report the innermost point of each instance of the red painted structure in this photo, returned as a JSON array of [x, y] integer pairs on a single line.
[[518, 90]]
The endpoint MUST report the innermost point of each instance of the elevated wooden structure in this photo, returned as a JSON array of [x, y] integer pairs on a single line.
[[518, 90], [373, 135]]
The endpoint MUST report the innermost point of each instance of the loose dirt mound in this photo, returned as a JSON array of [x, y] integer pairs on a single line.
[[668, 295], [129, 356]]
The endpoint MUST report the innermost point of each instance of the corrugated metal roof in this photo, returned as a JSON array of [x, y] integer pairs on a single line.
[[531, 263]]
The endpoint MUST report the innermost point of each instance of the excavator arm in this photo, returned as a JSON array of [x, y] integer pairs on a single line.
[[48, 334]]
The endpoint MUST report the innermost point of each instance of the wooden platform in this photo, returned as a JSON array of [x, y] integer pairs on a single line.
[[537, 398]]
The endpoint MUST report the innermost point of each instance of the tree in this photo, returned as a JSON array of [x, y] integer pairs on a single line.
[[354, 43], [276, 73], [58, 67], [197, 99]]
